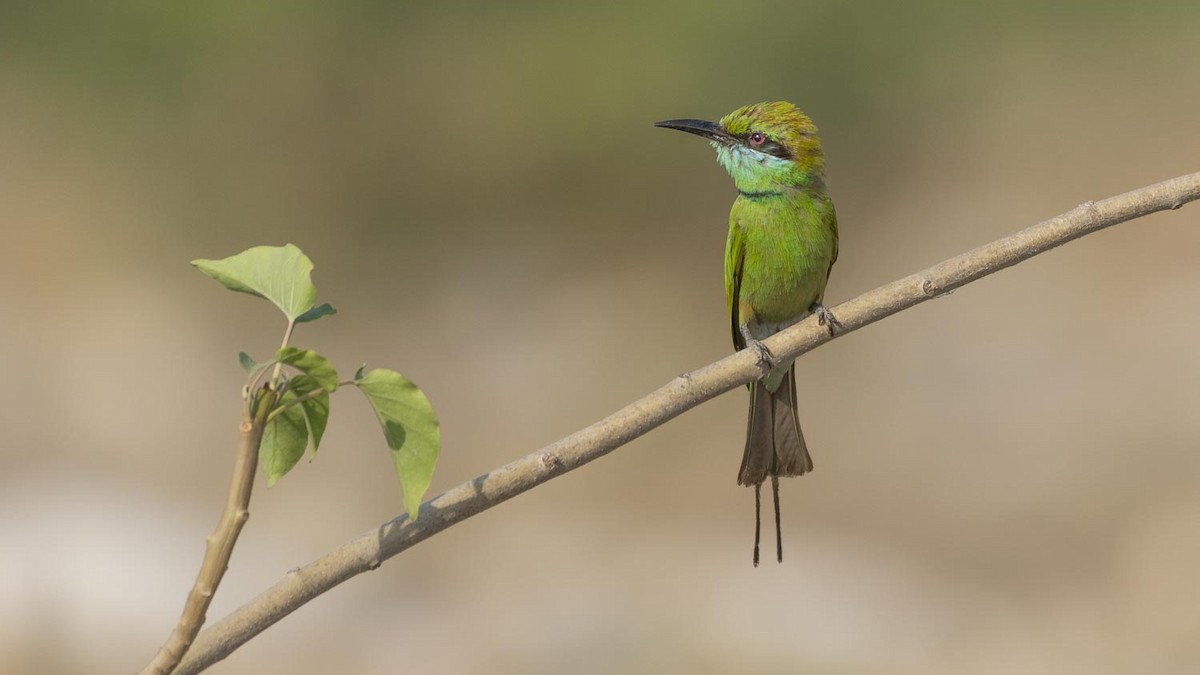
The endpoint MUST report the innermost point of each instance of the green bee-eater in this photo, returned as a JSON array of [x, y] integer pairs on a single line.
[[782, 244]]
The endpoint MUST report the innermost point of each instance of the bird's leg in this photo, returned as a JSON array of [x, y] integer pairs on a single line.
[[825, 317], [766, 359]]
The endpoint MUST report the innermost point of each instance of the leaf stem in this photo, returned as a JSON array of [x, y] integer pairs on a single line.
[[287, 337], [301, 399]]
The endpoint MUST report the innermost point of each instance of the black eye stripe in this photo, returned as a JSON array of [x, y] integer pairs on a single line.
[[772, 148], [768, 146]]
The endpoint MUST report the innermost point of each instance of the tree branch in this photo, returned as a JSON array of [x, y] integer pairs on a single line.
[[687, 391]]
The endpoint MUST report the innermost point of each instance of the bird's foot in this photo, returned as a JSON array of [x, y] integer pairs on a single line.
[[826, 318], [766, 360]]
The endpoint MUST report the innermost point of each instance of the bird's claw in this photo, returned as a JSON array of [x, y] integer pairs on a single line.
[[826, 317], [766, 360]]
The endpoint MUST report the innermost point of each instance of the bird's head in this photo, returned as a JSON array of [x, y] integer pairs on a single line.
[[764, 147]]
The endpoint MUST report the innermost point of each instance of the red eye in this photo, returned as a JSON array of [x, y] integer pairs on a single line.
[[757, 139]]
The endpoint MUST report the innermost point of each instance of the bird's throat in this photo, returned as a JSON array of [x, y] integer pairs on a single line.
[[758, 174]]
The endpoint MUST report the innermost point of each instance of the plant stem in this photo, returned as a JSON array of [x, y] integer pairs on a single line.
[[219, 546]]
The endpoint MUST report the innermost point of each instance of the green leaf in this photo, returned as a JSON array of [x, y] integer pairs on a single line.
[[247, 362], [410, 427], [316, 409], [310, 363], [358, 374], [316, 313], [283, 442], [280, 274]]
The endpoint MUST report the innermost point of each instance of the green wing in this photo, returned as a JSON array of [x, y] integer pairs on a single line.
[[832, 226], [735, 255]]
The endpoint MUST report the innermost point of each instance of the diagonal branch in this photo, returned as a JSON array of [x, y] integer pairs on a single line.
[[687, 391]]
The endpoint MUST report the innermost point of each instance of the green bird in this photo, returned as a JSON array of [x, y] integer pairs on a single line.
[[783, 241]]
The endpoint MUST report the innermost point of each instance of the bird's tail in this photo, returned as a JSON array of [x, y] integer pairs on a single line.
[[774, 447]]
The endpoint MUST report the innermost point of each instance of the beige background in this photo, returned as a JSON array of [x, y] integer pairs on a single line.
[[1007, 479]]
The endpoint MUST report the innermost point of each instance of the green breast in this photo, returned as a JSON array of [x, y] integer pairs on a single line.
[[789, 242]]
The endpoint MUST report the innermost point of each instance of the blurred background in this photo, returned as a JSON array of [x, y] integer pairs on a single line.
[[1007, 479]]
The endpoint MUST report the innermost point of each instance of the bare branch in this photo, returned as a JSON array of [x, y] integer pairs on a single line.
[[370, 549]]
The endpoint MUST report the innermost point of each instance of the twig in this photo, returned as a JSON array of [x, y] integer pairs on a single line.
[[282, 407], [219, 546], [370, 549]]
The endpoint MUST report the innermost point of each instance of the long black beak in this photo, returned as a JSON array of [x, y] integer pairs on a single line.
[[708, 130]]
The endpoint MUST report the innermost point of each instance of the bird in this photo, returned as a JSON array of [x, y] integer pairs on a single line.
[[782, 243]]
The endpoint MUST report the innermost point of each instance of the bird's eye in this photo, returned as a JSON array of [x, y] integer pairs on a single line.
[[757, 139]]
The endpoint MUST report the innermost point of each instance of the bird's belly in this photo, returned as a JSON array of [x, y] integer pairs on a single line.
[[778, 287]]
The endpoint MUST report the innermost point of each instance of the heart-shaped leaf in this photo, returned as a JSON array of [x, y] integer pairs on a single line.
[[281, 274]]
